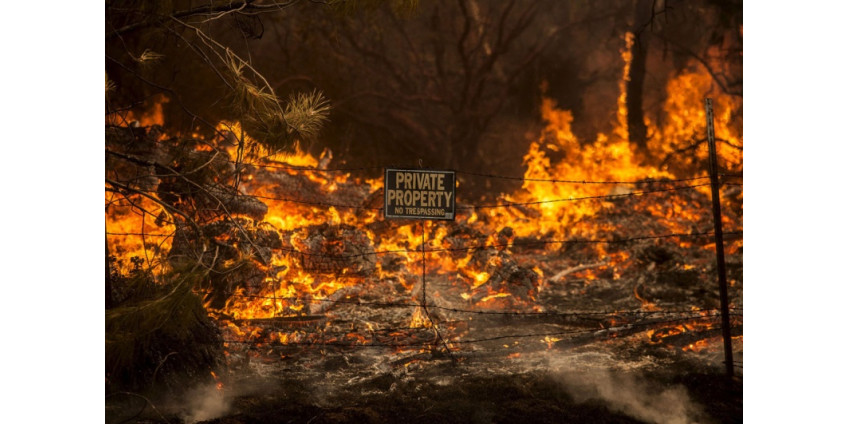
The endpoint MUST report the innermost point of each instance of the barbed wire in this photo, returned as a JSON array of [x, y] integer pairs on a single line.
[[140, 234], [473, 207], [512, 244], [556, 180], [571, 199], [352, 330], [313, 203], [310, 169], [480, 247], [612, 331], [645, 180], [692, 314], [478, 312], [288, 167], [477, 174], [459, 310], [490, 206], [579, 314]]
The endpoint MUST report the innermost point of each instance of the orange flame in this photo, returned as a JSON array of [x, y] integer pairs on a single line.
[[291, 289]]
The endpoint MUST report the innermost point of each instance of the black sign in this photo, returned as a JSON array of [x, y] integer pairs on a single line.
[[420, 194]]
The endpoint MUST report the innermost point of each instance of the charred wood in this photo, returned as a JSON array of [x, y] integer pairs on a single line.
[[332, 249]]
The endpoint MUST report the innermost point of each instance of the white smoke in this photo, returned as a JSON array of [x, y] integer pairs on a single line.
[[633, 395], [204, 403]]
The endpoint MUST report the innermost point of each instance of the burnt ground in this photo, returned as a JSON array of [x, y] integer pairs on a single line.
[[532, 398], [650, 374], [620, 381], [496, 399], [633, 335], [655, 369]]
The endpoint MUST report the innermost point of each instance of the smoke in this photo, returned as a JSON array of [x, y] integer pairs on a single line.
[[633, 395], [204, 403]]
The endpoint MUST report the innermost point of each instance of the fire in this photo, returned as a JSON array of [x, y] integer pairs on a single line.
[[684, 108], [480, 278], [134, 233], [621, 113], [154, 115], [419, 319], [702, 345], [550, 341], [218, 383], [646, 304], [327, 249]]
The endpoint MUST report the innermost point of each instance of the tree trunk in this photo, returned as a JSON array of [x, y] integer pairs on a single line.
[[636, 129]]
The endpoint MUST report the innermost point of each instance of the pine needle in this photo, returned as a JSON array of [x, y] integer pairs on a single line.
[[306, 113], [149, 57], [110, 85], [276, 128]]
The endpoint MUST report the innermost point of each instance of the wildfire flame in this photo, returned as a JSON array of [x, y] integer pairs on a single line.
[[292, 288]]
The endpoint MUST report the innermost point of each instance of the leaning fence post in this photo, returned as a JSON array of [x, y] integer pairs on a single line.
[[719, 242]]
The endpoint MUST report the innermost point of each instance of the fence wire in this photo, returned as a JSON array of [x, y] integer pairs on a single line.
[[506, 245], [644, 180], [467, 207], [696, 314], [609, 332]]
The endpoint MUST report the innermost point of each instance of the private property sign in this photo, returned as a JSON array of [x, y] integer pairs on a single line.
[[420, 194]]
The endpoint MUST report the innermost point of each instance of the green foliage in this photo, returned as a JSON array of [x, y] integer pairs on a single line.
[[110, 86], [160, 334], [276, 128], [306, 113]]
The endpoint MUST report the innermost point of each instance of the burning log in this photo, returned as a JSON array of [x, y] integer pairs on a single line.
[[624, 330], [308, 188], [226, 200], [325, 305], [504, 276], [462, 237], [288, 321], [690, 337], [333, 249]]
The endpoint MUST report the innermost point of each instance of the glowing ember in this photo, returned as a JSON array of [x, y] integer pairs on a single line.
[[218, 384], [550, 341], [317, 253]]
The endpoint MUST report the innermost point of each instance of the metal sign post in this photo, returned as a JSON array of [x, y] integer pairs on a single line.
[[719, 242], [421, 194]]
